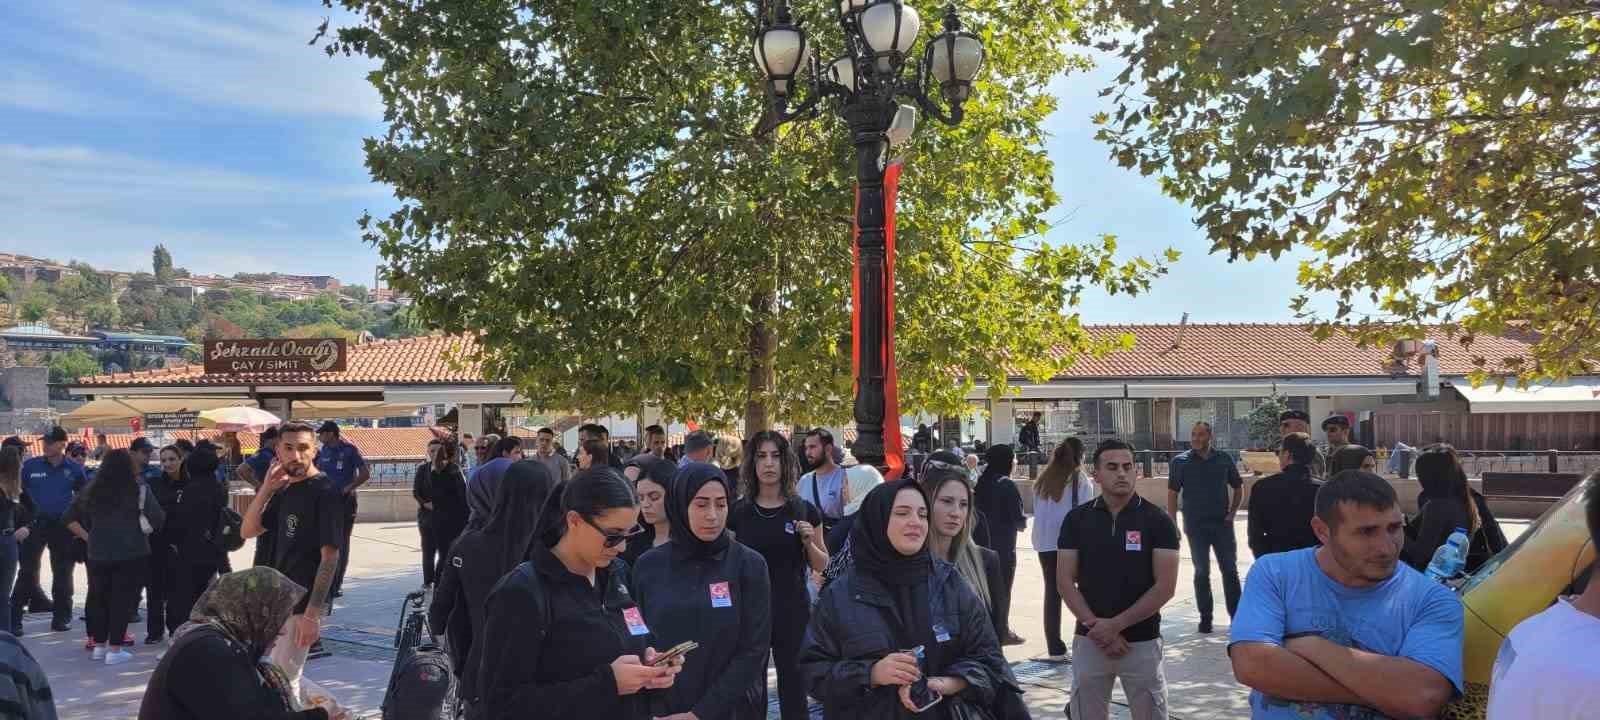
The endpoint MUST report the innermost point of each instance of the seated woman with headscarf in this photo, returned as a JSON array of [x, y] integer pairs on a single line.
[[477, 560], [899, 617], [215, 668]]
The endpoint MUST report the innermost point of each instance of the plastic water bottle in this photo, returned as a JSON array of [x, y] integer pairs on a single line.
[[1450, 558]]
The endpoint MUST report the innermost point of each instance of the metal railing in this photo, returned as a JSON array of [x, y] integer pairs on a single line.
[[1156, 463]]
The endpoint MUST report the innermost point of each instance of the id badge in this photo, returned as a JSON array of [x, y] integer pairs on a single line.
[[635, 621], [1134, 541], [721, 596], [940, 634]]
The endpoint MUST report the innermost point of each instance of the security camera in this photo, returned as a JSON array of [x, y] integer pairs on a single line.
[[905, 122]]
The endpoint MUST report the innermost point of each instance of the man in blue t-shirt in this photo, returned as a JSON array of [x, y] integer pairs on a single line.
[[348, 471], [1345, 631], [53, 481]]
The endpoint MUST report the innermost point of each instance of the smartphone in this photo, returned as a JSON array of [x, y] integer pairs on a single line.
[[682, 648], [922, 696]]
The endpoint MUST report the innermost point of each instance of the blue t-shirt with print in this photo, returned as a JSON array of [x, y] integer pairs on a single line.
[[1405, 616]]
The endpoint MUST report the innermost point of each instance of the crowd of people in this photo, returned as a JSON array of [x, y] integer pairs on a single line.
[[664, 584]]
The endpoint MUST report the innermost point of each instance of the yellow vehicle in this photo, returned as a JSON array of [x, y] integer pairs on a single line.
[[1520, 582]]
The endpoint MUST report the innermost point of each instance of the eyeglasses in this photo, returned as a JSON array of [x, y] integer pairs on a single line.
[[614, 539]]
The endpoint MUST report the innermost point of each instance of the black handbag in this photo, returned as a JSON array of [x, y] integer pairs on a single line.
[[958, 709]]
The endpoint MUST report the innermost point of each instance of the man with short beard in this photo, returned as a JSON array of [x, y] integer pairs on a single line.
[[1345, 629]]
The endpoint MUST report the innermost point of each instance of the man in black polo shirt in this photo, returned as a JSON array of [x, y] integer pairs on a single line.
[[304, 513], [1117, 565]]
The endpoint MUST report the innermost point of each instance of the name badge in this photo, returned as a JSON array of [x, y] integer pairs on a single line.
[[788, 527], [1134, 541], [721, 596], [635, 621], [940, 634]]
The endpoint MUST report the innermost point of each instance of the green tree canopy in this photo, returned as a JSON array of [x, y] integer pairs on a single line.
[[161, 264], [35, 306], [581, 187], [67, 367], [1437, 156]]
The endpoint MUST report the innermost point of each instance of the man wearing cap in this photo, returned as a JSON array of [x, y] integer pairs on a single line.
[[342, 463], [53, 481], [140, 450], [1337, 428]]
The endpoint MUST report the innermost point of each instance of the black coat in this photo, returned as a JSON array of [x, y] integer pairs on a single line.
[[548, 642], [725, 678], [849, 631], [194, 519], [205, 676], [1000, 506], [446, 491], [469, 572], [999, 594], [1280, 511]]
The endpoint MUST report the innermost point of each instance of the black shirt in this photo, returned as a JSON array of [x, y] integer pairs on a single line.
[[1280, 510], [1116, 558], [770, 531], [446, 491], [302, 519], [549, 638], [1001, 505]]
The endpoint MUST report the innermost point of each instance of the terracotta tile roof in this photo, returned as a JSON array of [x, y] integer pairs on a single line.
[[374, 443], [409, 361], [1268, 350], [1207, 351]]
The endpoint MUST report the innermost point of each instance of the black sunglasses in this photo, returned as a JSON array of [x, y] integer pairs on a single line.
[[614, 539]]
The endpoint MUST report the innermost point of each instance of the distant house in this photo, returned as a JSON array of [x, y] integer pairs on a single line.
[[43, 338]]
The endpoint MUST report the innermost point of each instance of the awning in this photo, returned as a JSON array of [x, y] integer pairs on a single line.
[[1055, 391], [120, 411], [1202, 389], [1575, 395], [453, 395], [350, 409]]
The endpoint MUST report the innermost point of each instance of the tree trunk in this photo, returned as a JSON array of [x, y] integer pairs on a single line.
[[763, 361]]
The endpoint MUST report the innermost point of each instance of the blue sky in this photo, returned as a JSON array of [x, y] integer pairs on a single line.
[[215, 129]]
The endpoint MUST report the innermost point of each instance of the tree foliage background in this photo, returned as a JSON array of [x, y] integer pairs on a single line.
[[1437, 156], [581, 187]]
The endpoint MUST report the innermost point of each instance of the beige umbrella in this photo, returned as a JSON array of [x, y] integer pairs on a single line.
[[240, 418]]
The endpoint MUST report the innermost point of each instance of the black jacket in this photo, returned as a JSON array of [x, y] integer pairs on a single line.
[[999, 594], [548, 642], [466, 577], [1000, 506], [1486, 543], [206, 676], [849, 632], [16, 514], [725, 678], [1431, 528], [193, 520], [1280, 511], [446, 491]]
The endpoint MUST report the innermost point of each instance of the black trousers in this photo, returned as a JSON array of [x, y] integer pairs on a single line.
[[189, 581], [437, 537], [48, 534], [344, 545], [113, 590], [161, 617], [1052, 605], [1008, 571], [789, 620]]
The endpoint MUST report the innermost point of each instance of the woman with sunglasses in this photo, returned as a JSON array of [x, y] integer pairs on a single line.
[[563, 637], [704, 587]]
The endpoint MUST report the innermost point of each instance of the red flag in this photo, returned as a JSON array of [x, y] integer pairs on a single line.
[[893, 445]]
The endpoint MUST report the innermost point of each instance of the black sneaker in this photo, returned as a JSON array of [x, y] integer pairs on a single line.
[[317, 651], [152, 640], [58, 626], [1205, 627]]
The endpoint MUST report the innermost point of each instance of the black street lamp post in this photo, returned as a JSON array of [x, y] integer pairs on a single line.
[[868, 79]]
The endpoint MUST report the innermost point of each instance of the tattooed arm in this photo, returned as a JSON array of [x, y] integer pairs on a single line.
[[317, 604]]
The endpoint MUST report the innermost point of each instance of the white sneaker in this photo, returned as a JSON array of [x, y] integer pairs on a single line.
[[1056, 658], [99, 652], [119, 657]]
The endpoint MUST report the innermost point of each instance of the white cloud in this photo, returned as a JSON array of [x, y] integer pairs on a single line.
[[30, 89], [226, 54]]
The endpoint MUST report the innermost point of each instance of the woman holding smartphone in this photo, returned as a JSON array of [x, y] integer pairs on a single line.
[[704, 587], [900, 630], [562, 636]]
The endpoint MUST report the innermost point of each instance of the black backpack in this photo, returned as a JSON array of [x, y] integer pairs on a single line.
[[422, 685], [229, 536]]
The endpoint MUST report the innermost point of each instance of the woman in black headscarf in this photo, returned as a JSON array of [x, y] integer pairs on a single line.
[[478, 559], [859, 655], [704, 587], [1001, 505]]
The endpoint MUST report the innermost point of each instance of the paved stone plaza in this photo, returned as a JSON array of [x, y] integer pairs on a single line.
[[386, 565]]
